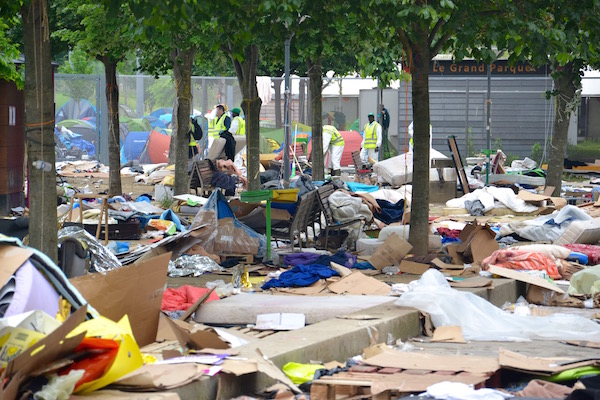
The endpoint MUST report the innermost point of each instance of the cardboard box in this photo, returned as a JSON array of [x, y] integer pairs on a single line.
[[135, 290], [478, 242], [391, 252]]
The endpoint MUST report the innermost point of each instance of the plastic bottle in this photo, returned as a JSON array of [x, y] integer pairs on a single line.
[[42, 165]]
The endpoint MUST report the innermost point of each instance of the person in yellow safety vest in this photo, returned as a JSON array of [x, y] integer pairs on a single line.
[[411, 135], [194, 136], [369, 148], [238, 125], [333, 142], [221, 122]]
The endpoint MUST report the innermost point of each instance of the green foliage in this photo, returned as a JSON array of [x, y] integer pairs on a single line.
[[99, 31], [9, 51], [471, 151], [497, 144], [160, 94], [537, 152], [78, 62], [588, 150]]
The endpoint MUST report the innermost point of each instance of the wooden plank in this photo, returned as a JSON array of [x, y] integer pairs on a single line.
[[321, 391]]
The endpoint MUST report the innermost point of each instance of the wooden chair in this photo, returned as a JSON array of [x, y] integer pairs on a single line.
[[331, 224], [103, 212], [361, 169], [200, 178], [298, 223]]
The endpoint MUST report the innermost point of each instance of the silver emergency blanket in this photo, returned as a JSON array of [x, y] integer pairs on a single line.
[[193, 265], [102, 259]]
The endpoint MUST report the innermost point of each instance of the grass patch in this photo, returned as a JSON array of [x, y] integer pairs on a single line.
[[585, 151]]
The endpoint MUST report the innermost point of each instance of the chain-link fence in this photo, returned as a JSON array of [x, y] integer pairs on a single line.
[[521, 115]]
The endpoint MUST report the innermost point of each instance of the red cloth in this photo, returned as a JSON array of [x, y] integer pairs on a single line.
[[184, 297], [590, 250], [522, 260], [451, 233]]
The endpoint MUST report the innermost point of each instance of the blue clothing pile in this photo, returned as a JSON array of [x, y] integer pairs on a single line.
[[301, 276]]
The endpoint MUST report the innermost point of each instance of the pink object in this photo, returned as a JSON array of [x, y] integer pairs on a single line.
[[522, 260], [184, 297], [32, 292], [590, 250]]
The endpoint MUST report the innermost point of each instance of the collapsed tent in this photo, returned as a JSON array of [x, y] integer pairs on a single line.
[[134, 144], [156, 150], [75, 109], [85, 129], [352, 141]]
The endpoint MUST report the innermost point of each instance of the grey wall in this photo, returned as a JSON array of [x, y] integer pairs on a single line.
[[521, 115]]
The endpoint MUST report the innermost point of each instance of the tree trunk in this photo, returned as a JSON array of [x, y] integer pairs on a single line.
[[182, 73], [112, 101], [39, 123], [419, 216], [246, 74], [315, 73], [564, 107]]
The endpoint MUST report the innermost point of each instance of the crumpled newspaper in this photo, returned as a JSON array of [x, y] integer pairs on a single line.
[[193, 265], [102, 258]]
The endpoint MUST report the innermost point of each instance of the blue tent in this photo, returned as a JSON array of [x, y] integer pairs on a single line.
[[134, 144], [75, 109], [158, 112]]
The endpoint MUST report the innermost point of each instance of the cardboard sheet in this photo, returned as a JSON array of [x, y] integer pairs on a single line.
[[51, 348], [411, 267], [381, 356], [448, 334], [135, 290], [360, 284], [391, 252], [542, 365], [475, 282], [190, 337], [152, 377], [442, 265], [11, 258], [523, 277]]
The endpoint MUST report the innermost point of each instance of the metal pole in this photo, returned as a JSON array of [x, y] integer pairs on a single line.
[[139, 91], [488, 122], [287, 109], [467, 135]]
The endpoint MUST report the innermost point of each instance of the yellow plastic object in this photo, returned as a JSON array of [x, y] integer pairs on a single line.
[[169, 180], [301, 373], [289, 195], [64, 310], [128, 359]]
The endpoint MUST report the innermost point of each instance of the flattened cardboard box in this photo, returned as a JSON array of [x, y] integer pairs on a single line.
[[391, 252], [135, 290]]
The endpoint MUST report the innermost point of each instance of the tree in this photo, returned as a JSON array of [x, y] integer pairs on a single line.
[[421, 29], [561, 35], [102, 33], [10, 50], [39, 121], [241, 30], [172, 43]]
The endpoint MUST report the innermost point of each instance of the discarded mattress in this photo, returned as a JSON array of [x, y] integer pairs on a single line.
[[398, 170], [586, 232], [516, 178]]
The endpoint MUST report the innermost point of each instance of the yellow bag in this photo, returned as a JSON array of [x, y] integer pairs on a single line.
[[129, 357], [301, 373]]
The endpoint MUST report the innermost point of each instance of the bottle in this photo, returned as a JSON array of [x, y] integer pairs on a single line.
[[42, 165]]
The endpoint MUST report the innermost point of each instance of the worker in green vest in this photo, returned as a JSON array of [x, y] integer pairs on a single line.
[[333, 142], [369, 148], [221, 122], [194, 137], [238, 125]]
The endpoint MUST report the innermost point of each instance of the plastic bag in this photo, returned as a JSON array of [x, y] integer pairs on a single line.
[[301, 373], [222, 233], [481, 320]]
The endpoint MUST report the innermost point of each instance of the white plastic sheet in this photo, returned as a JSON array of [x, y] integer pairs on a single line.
[[481, 320]]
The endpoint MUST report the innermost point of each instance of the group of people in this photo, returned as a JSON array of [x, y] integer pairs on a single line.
[[222, 125], [219, 125]]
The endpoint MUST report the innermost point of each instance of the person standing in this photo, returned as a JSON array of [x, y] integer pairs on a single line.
[[333, 142], [369, 148], [194, 136], [238, 125], [221, 122]]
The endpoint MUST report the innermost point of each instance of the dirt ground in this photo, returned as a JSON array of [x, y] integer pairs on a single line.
[[98, 185]]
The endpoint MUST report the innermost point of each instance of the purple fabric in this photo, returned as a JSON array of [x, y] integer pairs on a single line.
[[343, 258]]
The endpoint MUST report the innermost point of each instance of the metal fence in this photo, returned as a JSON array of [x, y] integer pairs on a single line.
[[521, 115]]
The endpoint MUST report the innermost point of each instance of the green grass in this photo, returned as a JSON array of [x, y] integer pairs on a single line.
[[585, 151]]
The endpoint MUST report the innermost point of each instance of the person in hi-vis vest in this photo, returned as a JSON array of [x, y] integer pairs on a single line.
[[333, 143], [369, 148], [238, 125], [221, 122], [194, 136]]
